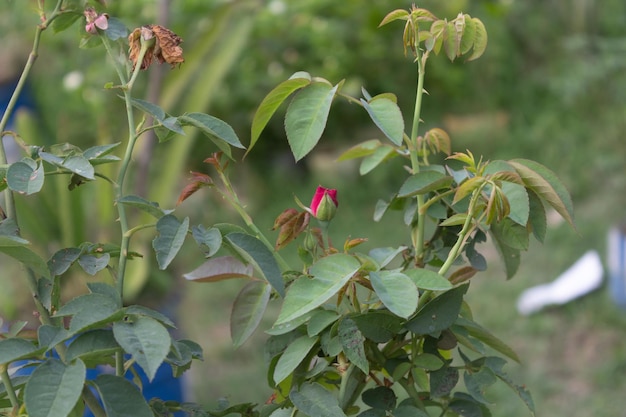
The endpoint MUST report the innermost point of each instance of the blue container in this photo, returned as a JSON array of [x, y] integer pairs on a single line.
[[616, 260]]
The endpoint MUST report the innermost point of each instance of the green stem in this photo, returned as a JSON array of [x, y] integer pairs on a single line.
[[132, 140], [32, 57], [119, 363], [467, 225], [93, 403], [233, 199], [8, 386], [418, 232]]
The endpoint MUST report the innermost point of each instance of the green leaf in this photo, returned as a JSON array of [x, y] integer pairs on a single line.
[[79, 165], [65, 20], [510, 256], [496, 364], [511, 234], [49, 336], [171, 237], [379, 326], [467, 406], [283, 328], [92, 344], [383, 256], [101, 151], [469, 33], [428, 361], [13, 349], [519, 202], [115, 31], [215, 129], [209, 238], [121, 398], [452, 41], [149, 108], [381, 398], [25, 176], [480, 39], [386, 114], [320, 320], [89, 310], [315, 401], [397, 292], [443, 381], [248, 310], [426, 279], [380, 155], [272, 102], [146, 340], [546, 185], [143, 311], [54, 388], [477, 382], [361, 150], [150, 207], [352, 343], [256, 253], [292, 357], [439, 313], [218, 269], [329, 275], [62, 260], [537, 219], [405, 410], [306, 117], [394, 15], [424, 182], [477, 331], [15, 247], [93, 264]]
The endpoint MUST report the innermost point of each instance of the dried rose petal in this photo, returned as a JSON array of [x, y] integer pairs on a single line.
[[165, 49], [168, 49]]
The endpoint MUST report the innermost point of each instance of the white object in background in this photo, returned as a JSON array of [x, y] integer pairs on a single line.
[[581, 278], [616, 264]]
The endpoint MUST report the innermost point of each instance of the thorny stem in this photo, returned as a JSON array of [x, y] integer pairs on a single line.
[[132, 139], [119, 192], [418, 232], [233, 199]]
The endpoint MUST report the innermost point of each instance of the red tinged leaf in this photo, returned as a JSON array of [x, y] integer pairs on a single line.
[[284, 217], [292, 229], [199, 180]]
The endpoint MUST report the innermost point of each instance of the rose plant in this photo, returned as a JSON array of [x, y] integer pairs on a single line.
[[376, 333]]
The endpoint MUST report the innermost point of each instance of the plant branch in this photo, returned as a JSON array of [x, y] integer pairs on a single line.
[[467, 225], [8, 386], [233, 199], [418, 232], [32, 57]]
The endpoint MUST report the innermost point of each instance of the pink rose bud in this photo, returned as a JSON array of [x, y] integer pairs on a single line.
[[324, 203]]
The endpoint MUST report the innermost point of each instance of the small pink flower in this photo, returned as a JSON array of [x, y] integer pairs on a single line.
[[95, 21], [324, 203]]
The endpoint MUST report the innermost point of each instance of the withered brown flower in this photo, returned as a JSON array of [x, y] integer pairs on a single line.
[[166, 46]]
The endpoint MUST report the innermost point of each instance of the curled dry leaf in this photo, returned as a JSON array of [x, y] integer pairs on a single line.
[[166, 46]]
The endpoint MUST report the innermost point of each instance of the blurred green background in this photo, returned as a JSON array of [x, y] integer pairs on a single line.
[[550, 87]]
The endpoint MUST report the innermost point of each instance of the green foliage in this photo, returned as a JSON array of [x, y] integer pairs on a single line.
[[370, 333]]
